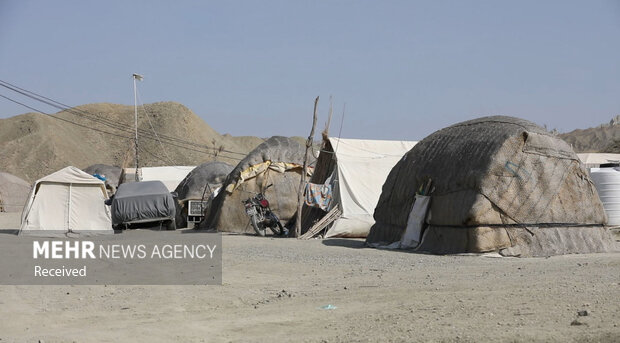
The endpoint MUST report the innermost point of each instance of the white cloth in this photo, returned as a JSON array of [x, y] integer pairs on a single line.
[[363, 167], [415, 223]]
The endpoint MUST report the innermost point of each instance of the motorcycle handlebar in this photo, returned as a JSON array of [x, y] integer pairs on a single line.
[[264, 190]]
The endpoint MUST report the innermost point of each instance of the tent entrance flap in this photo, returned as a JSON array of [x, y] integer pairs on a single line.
[[415, 222]]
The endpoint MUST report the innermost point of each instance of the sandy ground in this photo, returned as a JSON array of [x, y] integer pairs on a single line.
[[274, 290]]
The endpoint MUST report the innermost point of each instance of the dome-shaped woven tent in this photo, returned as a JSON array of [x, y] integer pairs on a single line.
[[112, 174], [501, 184], [277, 161], [200, 184]]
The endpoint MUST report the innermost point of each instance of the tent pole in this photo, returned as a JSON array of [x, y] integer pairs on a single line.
[[69, 209]]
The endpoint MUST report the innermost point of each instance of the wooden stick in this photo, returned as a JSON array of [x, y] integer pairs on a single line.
[[329, 218], [325, 132], [304, 172]]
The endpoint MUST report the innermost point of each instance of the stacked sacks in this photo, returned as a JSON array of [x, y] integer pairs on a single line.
[[277, 161], [501, 184]]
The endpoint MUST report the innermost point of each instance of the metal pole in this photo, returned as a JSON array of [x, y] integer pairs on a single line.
[[135, 102]]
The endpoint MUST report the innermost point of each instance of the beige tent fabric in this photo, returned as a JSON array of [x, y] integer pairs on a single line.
[[260, 168], [593, 160], [13, 193], [68, 201]]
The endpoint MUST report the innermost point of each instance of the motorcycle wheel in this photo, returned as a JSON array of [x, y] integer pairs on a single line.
[[276, 228], [256, 227]]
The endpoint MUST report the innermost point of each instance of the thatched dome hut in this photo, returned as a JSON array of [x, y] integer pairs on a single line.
[[200, 184], [501, 184], [277, 161], [111, 173]]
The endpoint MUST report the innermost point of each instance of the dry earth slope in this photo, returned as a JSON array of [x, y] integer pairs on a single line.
[[595, 139], [33, 145]]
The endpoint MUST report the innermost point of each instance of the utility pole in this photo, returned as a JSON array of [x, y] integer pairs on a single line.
[[137, 77]]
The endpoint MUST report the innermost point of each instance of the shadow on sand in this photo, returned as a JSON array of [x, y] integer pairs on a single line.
[[354, 243]]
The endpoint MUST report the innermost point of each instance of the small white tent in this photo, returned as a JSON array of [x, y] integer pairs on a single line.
[[356, 169], [170, 176], [594, 160], [67, 201]]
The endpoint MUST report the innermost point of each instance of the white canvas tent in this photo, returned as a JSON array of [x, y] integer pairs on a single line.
[[357, 176], [67, 201], [594, 160], [170, 176]]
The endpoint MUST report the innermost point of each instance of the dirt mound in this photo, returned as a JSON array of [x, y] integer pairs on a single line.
[[595, 139], [246, 143], [33, 145]]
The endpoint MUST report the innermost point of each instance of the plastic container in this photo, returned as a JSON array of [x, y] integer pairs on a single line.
[[607, 183]]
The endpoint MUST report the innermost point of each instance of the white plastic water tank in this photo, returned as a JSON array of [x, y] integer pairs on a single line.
[[607, 183]]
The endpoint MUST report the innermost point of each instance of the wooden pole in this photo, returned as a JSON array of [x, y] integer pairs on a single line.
[[325, 132], [304, 172]]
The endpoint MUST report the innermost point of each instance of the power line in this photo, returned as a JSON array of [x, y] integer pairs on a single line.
[[107, 122], [107, 132], [174, 141], [62, 119]]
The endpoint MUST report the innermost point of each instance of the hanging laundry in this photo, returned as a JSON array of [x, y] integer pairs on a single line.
[[317, 195]]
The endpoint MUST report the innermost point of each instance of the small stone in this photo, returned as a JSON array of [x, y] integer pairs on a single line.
[[577, 323], [583, 313]]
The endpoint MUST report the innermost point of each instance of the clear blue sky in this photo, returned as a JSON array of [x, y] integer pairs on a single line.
[[403, 68]]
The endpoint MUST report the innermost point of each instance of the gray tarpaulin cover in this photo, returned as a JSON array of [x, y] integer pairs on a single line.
[[141, 201]]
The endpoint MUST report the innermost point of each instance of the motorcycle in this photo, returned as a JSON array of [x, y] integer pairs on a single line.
[[261, 215]]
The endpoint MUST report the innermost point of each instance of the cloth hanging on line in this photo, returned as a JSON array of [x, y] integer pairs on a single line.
[[318, 195]]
